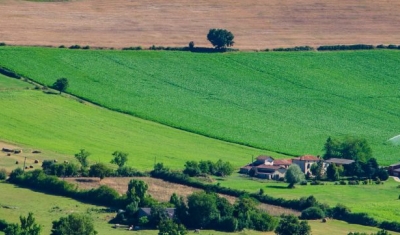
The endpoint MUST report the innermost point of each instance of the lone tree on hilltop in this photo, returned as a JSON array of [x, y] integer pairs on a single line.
[[220, 38], [61, 84]]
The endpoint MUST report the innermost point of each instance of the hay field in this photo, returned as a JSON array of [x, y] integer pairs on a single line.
[[256, 24]]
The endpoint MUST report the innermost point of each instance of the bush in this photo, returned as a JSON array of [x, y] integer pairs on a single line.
[[345, 47], [312, 213], [75, 47], [3, 174], [300, 48], [2, 44], [304, 182], [138, 48], [391, 46], [342, 182], [381, 46], [127, 171], [228, 224], [62, 46], [3, 225], [354, 182], [86, 47], [392, 226]]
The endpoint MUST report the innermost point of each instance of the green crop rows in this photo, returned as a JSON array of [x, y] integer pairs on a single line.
[[284, 102]]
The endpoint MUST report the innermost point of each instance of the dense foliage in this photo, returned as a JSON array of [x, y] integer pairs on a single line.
[[219, 168], [220, 38], [27, 226], [73, 224], [290, 224]]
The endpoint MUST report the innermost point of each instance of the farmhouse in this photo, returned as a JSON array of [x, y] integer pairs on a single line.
[[146, 211], [269, 172], [394, 169], [339, 161], [305, 162]]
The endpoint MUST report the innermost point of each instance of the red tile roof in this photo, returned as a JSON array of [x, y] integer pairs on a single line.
[[285, 162], [308, 158]]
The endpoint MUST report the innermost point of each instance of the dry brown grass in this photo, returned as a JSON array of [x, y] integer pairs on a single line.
[[161, 190], [256, 24]]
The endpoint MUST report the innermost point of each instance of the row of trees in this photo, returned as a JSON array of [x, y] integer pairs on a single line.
[[219, 168]]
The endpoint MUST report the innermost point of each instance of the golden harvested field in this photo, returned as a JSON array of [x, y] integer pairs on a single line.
[[161, 190], [256, 24]]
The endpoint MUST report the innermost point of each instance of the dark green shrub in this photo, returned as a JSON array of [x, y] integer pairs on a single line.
[[342, 182], [345, 47], [228, 224], [3, 225], [300, 48], [391, 46], [3, 174], [87, 47], [75, 47], [392, 226], [312, 213], [132, 48], [2, 44], [62, 46], [381, 46], [304, 182]]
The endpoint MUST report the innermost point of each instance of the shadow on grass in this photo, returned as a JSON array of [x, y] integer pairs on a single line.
[[278, 186]]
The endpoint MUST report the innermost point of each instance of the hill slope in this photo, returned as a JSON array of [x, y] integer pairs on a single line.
[[285, 102], [51, 122], [256, 24]]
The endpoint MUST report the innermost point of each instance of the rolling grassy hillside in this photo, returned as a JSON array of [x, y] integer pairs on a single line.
[[284, 102], [61, 125]]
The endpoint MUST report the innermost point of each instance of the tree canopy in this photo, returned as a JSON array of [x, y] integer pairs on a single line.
[[120, 158], [73, 224], [61, 84], [220, 38], [27, 226], [348, 148], [294, 175], [290, 224]]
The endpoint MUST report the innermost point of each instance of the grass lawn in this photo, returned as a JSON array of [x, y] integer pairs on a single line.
[[379, 201], [60, 126], [285, 102], [47, 208]]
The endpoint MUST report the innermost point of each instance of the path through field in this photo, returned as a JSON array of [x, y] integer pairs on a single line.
[[256, 24]]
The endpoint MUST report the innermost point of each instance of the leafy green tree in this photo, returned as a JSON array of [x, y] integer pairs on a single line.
[[290, 224], [3, 174], [158, 213], [294, 175], [332, 172], [192, 168], [82, 158], [137, 191], [332, 148], [220, 38], [73, 224], [61, 84], [223, 168], [202, 208], [317, 169], [99, 170], [28, 226], [120, 158], [169, 227]]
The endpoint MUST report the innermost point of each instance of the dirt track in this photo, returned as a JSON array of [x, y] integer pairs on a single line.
[[256, 24]]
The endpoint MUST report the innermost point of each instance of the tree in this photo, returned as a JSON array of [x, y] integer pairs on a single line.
[[28, 226], [290, 224], [120, 158], [294, 175], [169, 227], [331, 148], [202, 208], [192, 168], [220, 38], [82, 159], [317, 169], [332, 172], [73, 224], [99, 170], [61, 84], [136, 191]]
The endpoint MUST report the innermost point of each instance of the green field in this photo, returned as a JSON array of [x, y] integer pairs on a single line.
[[285, 102], [379, 201], [61, 126], [47, 208]]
